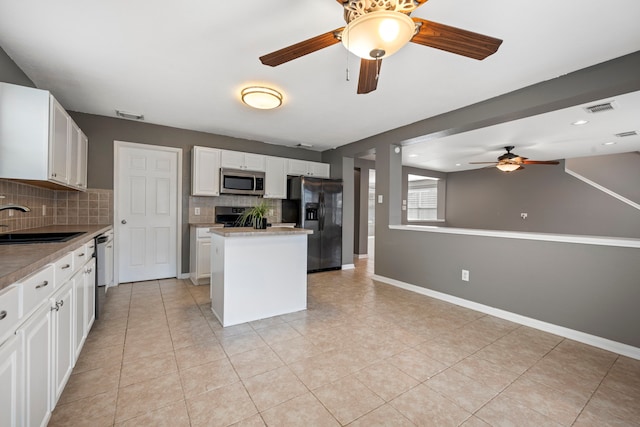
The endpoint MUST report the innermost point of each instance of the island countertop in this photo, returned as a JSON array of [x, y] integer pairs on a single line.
[[19, 260], [249, 231]]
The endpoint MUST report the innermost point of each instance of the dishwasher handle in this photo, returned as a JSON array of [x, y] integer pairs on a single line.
[[102, 239]]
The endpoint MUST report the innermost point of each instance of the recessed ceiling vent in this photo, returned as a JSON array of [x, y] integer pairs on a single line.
[[599, 108], [623, 134]]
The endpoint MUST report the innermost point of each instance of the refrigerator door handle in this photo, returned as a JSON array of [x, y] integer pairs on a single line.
[[321, 219]]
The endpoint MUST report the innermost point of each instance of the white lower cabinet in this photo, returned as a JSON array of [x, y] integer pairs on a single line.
[[37, 353], [47, 318], [200, 269], [62, 334], [90, 292], [84, 296], [10, 384]]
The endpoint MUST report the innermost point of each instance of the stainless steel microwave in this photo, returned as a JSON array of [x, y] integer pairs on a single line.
[[234, 181]]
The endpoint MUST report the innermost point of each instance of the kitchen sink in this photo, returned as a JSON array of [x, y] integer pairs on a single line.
[[19, 238]]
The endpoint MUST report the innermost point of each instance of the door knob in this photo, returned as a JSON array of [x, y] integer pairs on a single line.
[[124, 221]]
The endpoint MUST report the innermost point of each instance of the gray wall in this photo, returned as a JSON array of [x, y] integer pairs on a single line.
[[555, 202], [592, 289], [11, 73], [619, 173]]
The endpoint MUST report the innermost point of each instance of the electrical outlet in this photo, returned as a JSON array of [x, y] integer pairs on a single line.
[[270, 212], [196, 211], [465, 275], [10, 212], [524, 215], [380, 198], [44, 210]]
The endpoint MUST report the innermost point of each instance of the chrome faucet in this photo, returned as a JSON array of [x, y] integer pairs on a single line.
[[15, 207]]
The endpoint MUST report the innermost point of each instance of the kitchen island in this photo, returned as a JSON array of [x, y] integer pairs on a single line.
[[257, 274]]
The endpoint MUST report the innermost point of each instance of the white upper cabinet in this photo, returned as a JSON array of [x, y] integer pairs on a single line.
[[205, 171], [240, 160], [59, 143], [275, 177], [36, 139], [306, 168], [78, 145]]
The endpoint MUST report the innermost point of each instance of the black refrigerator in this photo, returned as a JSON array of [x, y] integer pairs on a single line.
[[316, 204]]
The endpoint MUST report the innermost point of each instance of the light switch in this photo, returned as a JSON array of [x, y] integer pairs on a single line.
[[379, 198], [196, 211]]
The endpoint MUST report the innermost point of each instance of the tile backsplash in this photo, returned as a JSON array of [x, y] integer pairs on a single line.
[[207, 207], [95, 206]]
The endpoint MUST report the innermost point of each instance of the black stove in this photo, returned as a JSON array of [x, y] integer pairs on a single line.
[[229, 215]]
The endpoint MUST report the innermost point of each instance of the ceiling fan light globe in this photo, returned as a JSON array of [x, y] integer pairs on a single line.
[[381, 30], [508, 167]]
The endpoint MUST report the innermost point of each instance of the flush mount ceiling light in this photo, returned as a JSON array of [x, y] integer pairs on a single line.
[[378, 34], [260, 97], [580, 122]]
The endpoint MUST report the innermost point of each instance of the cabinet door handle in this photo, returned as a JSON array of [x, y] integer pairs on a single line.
[[42, 285], [3, 314], [109, 246], [64, 267], [82, 254]]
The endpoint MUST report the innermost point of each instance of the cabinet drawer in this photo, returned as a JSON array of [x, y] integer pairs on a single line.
[[203, 233], [9, 315], [81, 256], [63, 269], [35, 289]]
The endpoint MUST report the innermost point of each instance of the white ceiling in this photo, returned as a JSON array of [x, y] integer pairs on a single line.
[[549, 136], [183, 64]]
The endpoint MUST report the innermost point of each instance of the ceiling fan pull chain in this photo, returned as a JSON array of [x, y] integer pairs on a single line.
[[347, 58], [378, 65]]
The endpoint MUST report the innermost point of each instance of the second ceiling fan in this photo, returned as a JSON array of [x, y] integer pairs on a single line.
[[376, 29]]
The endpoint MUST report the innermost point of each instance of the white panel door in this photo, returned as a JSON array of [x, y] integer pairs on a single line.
[[147, 213]]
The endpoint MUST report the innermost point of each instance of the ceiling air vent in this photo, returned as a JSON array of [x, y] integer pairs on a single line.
[[599, 108], [623, 134]]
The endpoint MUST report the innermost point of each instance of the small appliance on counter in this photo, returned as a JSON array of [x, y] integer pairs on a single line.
[[316, 204]]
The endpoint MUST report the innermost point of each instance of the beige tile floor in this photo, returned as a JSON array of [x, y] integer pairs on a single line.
[[363, 354]]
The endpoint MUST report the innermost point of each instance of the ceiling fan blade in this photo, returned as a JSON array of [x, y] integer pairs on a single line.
[[483, 163], [369, 72], [541, 162], [303, 48], [455, 40]]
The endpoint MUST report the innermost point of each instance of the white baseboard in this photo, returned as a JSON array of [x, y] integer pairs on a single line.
[[360, 256], [603, 343], [183, 276], [348, 266]]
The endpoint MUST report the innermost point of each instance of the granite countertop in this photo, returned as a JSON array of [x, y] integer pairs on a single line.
[[20, 260], [249, 231], [218, 225]]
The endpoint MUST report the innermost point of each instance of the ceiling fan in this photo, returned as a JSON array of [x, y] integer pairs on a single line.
[[376, 29], [510, 162]]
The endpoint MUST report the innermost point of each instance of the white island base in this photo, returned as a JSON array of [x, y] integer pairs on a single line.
[[257, 274]]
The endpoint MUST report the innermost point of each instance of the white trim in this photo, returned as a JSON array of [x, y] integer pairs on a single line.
[[603, 343], [623, 242], [183, 276], [117, 145], [603, 189], [348, 266], [360, 256]]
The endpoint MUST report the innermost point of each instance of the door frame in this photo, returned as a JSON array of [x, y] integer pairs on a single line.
[[117, 146]]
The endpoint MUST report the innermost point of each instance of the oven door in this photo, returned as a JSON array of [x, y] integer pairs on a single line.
[[241, 182]]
